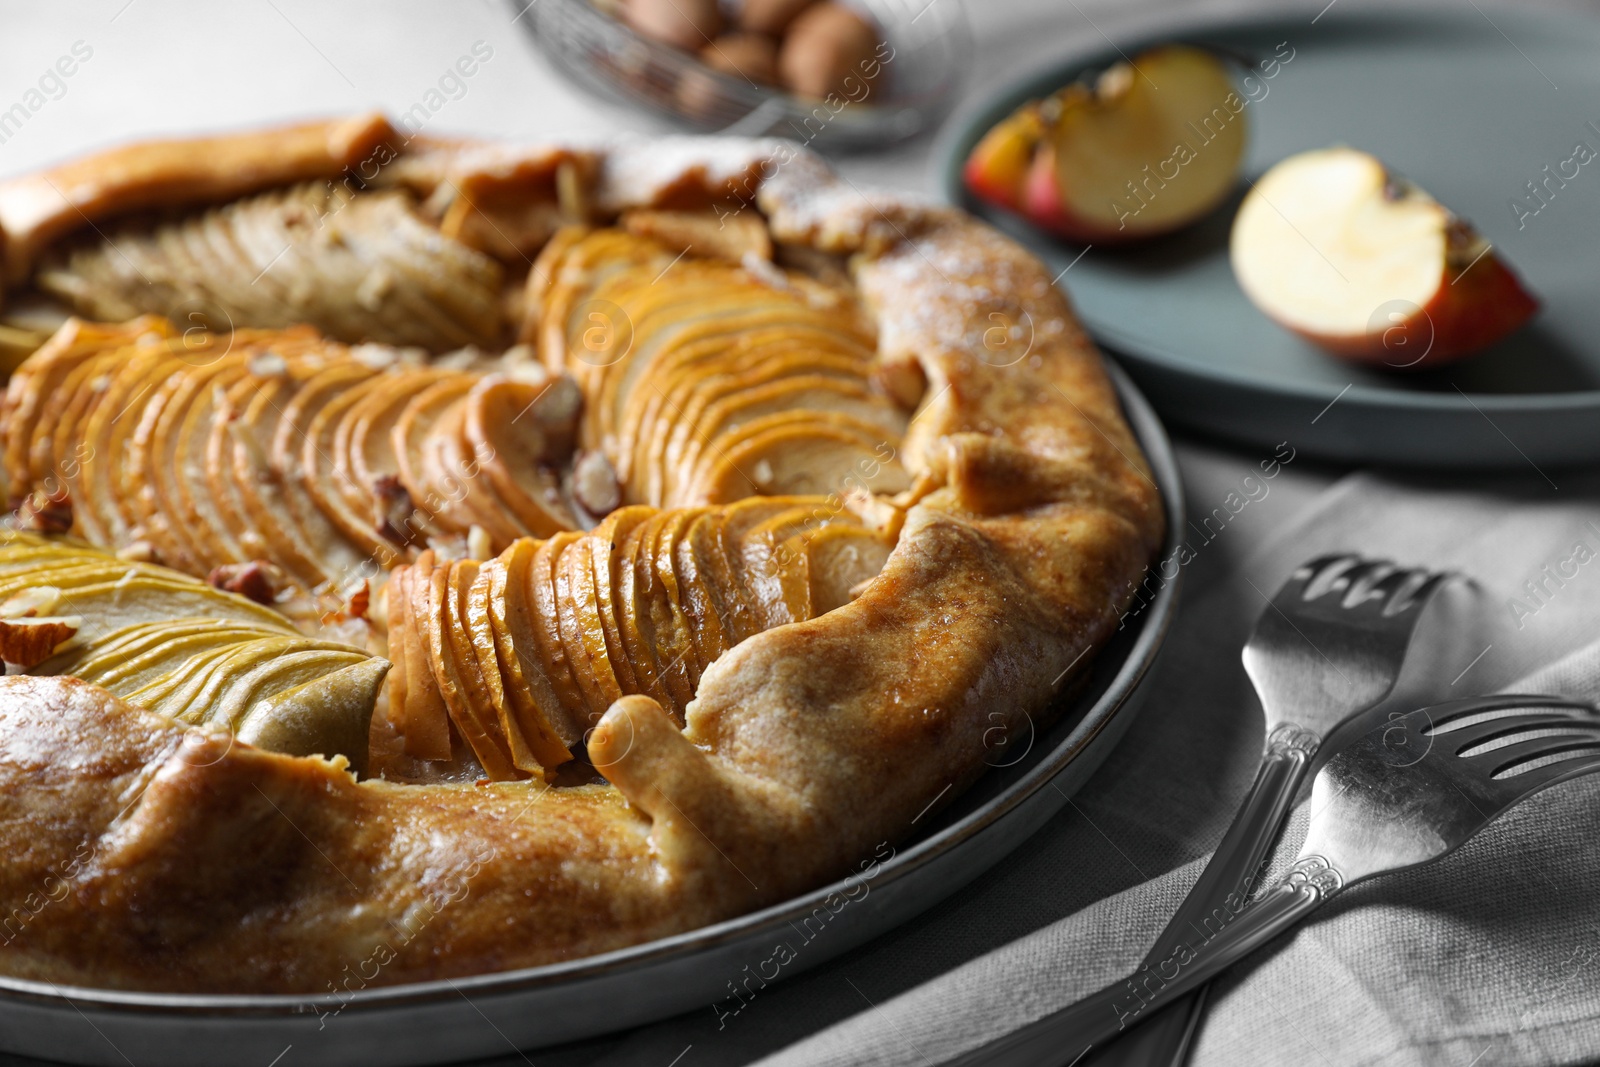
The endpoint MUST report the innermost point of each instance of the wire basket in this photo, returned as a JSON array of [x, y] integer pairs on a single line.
[[924, 60]]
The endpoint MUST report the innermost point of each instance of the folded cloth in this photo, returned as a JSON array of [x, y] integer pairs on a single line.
[[1489, 956]]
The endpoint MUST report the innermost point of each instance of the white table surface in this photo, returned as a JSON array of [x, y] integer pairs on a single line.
[[170, 67]]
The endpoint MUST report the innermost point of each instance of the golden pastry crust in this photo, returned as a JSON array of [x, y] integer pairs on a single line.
[[1030, 519]]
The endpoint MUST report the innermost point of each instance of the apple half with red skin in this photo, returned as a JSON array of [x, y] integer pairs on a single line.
[[1152, 145], [1333, 247]]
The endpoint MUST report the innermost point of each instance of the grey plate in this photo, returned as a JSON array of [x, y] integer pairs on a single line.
[[1464, 103], [441, 1022]]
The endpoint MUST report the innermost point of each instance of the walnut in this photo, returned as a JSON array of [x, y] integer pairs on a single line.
[[46, 513], [394, 518], [350, 612], [258, 580], [360, 600]]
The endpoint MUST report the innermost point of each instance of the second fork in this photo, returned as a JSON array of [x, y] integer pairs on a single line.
[[1331, 644]]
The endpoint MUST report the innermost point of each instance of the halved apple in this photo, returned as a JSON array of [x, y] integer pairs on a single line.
[[1152, 145], [997, 169], [1333, 247]]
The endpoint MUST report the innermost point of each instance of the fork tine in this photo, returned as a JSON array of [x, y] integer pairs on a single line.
[[1365, 582], [1314, 579], [1414, 591], [1442, 714], [1503, 759], [1493, 729], [1529, 782]]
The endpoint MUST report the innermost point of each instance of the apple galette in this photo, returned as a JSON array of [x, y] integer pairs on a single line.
[[474, 557]]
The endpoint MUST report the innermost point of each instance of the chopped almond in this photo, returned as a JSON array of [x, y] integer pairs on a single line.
[[31, 602], [26, 643], [594, 484]]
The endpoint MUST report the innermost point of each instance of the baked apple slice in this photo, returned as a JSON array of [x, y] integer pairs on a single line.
[[455, 669], [686, 389], [169, 694], [368, 463], [241, 685], [411, 429], [605, 543], [109, 513], [147, 652], [160, 462], [222, 481], [140, 596], [770, 566], [544, 724], [189, 477], [319, 466], [679, 649], [421, 717], [839, 559], [635, 590], [575, 333], [54, 577], [40, 381], [562, 672], [750, 606], [1153, 144], [262, 489], [485, 679], [519, 432], [801, 454], [336, 557], [712, 604], [54, 450], [457, 492], [702, 307], [583, 635], [1332, 246], [856, 401], [329, 714], [182, 694]]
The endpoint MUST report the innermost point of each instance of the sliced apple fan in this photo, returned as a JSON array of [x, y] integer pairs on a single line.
[[171, 644], [738, 398], [523, 653]]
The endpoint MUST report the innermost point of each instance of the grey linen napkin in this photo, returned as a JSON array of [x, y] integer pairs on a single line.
[[1491, 956]]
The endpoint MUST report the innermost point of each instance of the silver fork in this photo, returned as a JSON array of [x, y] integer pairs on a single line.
[[1330, 645], [1406, 793]]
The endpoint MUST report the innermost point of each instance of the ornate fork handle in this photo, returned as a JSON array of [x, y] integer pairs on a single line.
[[1224, 885], [1221, 890], [1064, 1035]]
